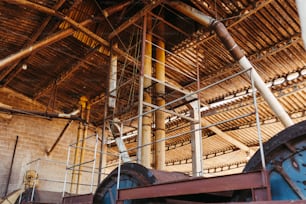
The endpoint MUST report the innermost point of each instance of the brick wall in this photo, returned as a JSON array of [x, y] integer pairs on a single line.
[[36, 135]]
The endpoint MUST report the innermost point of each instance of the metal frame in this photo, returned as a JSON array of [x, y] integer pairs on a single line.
[[258, 182], [70, 167]]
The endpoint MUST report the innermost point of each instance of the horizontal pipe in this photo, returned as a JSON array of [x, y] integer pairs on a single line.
[[38, 114]]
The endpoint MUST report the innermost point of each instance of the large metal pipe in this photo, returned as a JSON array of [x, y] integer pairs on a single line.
[[237, 54], [147, 119], [113, 79], [160, 101]]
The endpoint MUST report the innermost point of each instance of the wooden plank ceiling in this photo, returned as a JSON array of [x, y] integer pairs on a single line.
[[55, 51]]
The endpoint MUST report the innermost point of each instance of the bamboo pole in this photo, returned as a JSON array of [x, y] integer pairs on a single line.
[[147, 119], [73, 23], [160, 115], [86, 107], [34, 48], [76, 160]]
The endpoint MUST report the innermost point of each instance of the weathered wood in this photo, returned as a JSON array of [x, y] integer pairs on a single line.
[[35, 36], [48, 41], [73, 23], [134, 18]]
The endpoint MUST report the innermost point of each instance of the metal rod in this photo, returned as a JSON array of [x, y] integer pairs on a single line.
[[167, 84], [66, 172], [59, 137], [94, 164], [118, 176], [34, 186], [11, 167], [171, 112], [140, 99], [185, 133], [262, 154], [192, 94]]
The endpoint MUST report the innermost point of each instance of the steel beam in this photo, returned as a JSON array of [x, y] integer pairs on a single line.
[[255, 180]]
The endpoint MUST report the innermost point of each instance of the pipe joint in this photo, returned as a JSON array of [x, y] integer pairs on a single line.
[[227, 40]]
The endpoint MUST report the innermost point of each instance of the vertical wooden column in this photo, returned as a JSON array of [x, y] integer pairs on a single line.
[[147, 119], [84, 102], [160, 101], [76, 160]]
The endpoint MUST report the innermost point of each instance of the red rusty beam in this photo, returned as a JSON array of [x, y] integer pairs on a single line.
[[172, 201], [256, 180]]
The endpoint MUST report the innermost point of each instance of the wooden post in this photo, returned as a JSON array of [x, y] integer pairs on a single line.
[[160, 91], [147, 119]]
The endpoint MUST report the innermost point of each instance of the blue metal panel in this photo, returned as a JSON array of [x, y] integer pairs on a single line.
[[288, 174]]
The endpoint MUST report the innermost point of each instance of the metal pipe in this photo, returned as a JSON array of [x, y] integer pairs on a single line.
[[11, 167], [140, 97], [113, 79], [196, 140], [59, 137], [237, 54]]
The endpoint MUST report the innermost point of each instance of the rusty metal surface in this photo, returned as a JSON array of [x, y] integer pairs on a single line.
[[197, 186], [78, 199]]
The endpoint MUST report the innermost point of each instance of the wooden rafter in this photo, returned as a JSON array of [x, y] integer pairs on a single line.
[[74, 24], [134, 18], [197, 42], [38, 45], [255, 57], [65, 75], [35, 36]]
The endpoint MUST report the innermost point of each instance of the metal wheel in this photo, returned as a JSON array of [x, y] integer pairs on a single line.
[[285, 156]]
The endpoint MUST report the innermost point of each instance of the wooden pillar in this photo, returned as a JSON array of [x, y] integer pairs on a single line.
[[147, 119], [76, 161], [84, 102], [160, 101]]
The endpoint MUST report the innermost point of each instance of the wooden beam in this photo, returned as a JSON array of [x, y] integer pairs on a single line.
[[34, 37], [256, 8], [73, 23], [134, 18], [34, 48], [65, 75], [169, 24]]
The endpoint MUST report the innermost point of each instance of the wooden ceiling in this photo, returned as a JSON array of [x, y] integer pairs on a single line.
[[55, 51]]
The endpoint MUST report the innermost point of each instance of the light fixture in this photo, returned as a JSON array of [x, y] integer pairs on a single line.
[[24, 66]]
